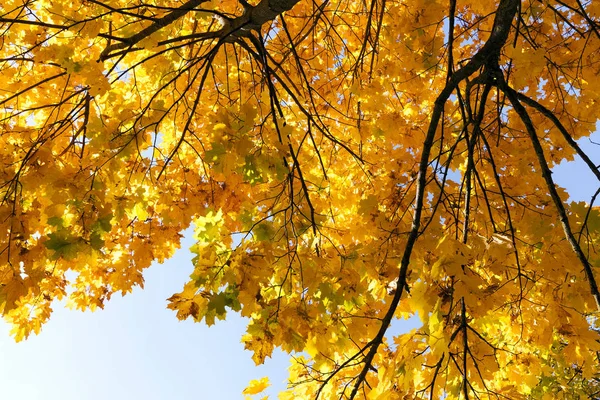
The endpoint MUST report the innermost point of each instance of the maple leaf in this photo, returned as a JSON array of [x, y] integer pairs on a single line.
[[364, 162], [12, 291], [264, 231], [63, 244], [257, 386]]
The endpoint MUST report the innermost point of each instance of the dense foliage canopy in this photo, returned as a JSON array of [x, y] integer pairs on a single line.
[[345, 163]]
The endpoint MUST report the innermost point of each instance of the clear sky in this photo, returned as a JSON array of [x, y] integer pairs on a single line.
[[137, 349]]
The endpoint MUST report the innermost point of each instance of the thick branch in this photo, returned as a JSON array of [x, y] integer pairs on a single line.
[[255, 17], [158, 25], [252, 19], [489, 52], [550, 115], [547, 175]]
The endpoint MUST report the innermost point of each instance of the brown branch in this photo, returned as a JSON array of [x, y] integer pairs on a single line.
[[547, 175], [569, 139], [33, 86], [252, 19], [159, 24], [470, 159], [489, 51], [451, 15]]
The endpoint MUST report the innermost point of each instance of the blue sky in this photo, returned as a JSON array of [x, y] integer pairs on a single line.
[[133, 349], [136, 348]]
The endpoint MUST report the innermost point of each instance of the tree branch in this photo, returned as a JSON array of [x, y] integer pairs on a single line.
[[547, 175], [490, 50], [159, 24], [252, 19]]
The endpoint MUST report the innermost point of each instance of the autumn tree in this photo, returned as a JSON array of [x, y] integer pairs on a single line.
[[344, 163]]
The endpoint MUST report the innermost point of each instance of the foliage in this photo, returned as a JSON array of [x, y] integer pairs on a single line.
[[345, 164]]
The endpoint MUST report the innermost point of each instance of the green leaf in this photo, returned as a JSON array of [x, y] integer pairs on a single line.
[[96, 241], [103, 224], [264, 231], [245, 218], [213, 155], [250, 172], [218, 303], [63, 244], [55, 221]]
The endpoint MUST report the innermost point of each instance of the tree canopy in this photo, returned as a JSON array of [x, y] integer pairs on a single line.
[[344, 163]]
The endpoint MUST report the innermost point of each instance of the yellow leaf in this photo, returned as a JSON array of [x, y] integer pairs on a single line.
[[257, 385]]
